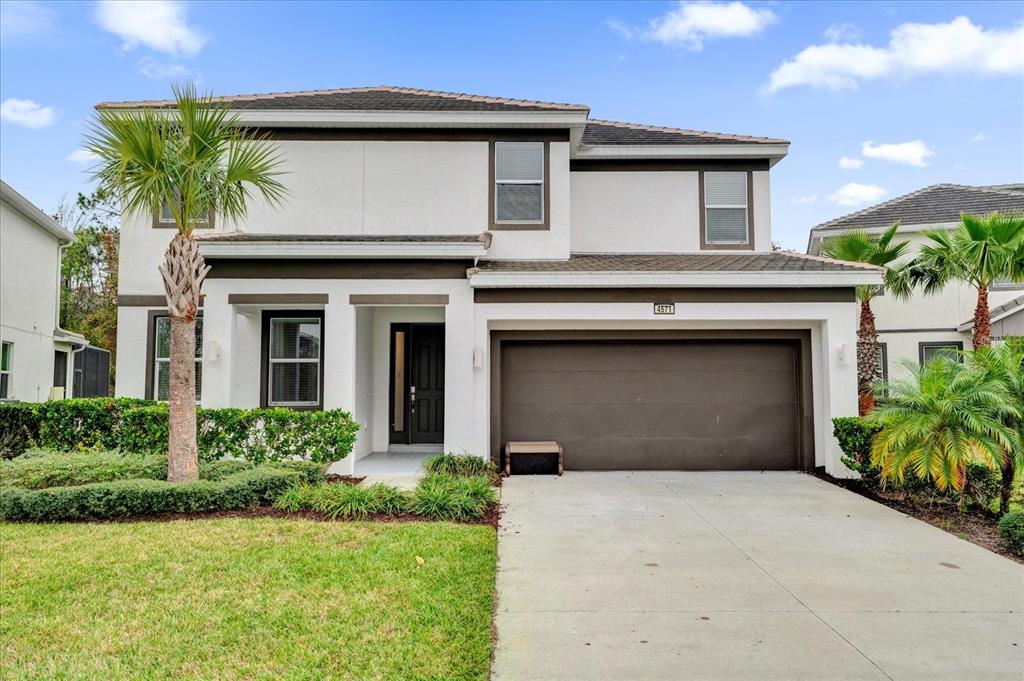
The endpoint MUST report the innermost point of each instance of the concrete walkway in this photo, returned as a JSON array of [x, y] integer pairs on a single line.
[[735, 576]]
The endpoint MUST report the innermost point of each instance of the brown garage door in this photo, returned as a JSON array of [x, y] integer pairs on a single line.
[[658, 404]]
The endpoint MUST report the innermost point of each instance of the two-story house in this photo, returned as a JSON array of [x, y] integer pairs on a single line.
[[38, 359], [460, 271], [917, 329]]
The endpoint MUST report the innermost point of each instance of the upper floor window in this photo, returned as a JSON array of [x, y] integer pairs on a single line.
[[6, 349], [165, 218], [519, 183], [726, 210]]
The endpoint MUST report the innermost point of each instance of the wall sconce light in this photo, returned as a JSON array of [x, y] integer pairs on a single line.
[[478, 356], [212, 350], [846, 354]]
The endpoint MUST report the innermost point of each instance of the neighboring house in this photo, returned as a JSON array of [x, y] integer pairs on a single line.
[[38, 359], [460, 271], [918, 329]]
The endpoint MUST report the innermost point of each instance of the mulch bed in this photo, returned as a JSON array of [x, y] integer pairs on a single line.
[[974, 526], [489, 518]]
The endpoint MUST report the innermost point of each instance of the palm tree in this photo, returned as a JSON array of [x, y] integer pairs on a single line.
[[1005, 364], [195, 160], [946, 416], [980, 251], [871, 249]]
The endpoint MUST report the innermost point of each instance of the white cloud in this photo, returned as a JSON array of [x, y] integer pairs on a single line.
[[800, 200], [155, 70], [913, 50], [81, 156], [159, 25], [691, 23], [981, 137], [847, 163], [911, 153], [856, 194], [24, 19], [27, 113], [845, 32]]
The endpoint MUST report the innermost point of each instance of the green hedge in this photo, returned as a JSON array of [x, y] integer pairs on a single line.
[[1011, 528], [140, 426], [124, 498], [461, 466], [62, 470]]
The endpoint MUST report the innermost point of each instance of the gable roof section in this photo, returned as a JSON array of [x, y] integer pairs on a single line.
[[33, 214], [599, 132], [376, 98], [776, 261], [996, 313], [934, 205]]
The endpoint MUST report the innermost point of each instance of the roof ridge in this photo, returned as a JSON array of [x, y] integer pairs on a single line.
[[832, 261], [684, 131], [877, 206], [487, 99]]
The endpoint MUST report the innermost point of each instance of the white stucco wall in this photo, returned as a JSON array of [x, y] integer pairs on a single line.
[[650, 212], [29, 264]]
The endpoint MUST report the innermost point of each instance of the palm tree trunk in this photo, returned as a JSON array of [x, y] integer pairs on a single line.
[[183, 273], [1009, 471], [867, 358], [982, 321]]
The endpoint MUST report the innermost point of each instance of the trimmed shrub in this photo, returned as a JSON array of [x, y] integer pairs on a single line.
[[447, 498], [351, 502], [258, 435], [63, 470], [83, 423], [855, 436], [1011, 528], [123, 498], [19, 428], [461, 466]]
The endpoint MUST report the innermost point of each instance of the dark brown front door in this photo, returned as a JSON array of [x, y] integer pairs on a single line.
[[656, 404], [417, 383]]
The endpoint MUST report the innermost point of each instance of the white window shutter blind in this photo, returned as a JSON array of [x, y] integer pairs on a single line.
[[725, 189], [519, 161]]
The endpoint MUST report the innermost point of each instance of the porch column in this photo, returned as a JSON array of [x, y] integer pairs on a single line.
[[839, 357], [339, 357], [459, 375], [217, 335]]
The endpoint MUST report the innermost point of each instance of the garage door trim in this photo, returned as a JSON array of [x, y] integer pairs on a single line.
[[801, 337]]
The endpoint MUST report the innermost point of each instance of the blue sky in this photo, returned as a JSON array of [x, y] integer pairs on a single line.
[[910, 93]]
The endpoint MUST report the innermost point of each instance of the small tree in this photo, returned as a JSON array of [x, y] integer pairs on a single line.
[[944, 418], [870, 249], [1005, 364], [197, 161], [980, 251]]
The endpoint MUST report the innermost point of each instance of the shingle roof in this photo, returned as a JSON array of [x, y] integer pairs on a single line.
[[245, 237], [600, 132], [937, 204], [376, 98], [776, 261], [994, 312]]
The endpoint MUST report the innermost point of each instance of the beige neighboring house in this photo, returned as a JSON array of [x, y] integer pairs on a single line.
[[917, 329], [37, 357]]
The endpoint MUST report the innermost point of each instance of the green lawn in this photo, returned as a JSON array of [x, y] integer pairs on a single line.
[[246, 599]]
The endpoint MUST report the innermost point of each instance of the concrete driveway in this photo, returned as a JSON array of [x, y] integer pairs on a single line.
[[742, 576]]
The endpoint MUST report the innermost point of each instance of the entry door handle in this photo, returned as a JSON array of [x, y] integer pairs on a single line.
[[412, 398]]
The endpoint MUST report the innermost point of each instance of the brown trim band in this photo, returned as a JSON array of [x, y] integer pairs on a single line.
[[492, 189], [584, 165], [143, 301], [398, 299], [704, 245], [408, 134], [342, 268], [277, 298], [805, 425], [664, 295]]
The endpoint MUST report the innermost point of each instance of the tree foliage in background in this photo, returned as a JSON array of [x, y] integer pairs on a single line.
[[88, 270]]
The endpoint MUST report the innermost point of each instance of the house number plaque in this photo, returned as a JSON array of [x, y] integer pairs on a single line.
[[664, 308]]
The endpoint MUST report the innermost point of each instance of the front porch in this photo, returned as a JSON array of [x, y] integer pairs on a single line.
[[400, 467]]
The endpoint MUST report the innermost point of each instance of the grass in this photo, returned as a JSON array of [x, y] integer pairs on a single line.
[[244, 598]]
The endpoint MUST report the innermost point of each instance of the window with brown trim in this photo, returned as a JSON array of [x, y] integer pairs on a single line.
[[292, 370], [160, 358], [164, 219], [519, 191], [726, 210]]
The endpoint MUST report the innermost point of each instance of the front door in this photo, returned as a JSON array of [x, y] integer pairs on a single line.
[[417, 384]]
